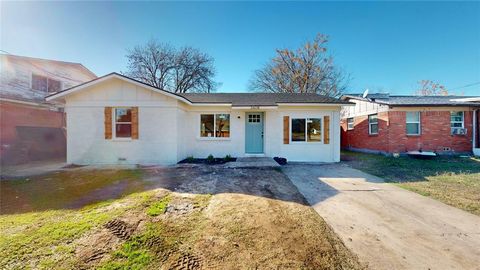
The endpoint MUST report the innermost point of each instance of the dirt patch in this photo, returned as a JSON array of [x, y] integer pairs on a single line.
[[206, 217]]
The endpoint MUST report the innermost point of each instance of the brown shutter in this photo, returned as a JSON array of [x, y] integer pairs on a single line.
[[326, 134], [135, 123], [286, 129], [108, 123]]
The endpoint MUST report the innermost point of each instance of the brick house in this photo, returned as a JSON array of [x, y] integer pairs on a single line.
[[383, 123], [30, 128]]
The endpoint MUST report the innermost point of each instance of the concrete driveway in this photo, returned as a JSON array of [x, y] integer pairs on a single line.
[[389, 227]]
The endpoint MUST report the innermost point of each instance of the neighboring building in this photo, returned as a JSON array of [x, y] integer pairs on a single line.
[[396, 124], [118, 120], [32, 129]]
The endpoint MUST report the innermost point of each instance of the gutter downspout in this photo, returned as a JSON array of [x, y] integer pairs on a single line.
[[474, 134]]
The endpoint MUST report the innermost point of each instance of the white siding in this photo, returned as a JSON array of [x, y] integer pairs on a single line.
[[169, 130], [158, 118]]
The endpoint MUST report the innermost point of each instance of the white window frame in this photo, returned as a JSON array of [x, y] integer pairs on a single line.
[[463, 119], [370, 124], [353, 123], [214, 137], [306, 129], [415, 122], [114, 125]]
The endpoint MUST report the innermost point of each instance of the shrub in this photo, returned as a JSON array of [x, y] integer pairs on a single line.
[[190, 159], [210, 158], [227, 158]]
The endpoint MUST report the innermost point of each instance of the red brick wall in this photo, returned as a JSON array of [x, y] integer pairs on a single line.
[[435, 133], [359, 137], [13, 115]]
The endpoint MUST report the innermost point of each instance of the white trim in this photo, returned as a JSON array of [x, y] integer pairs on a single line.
[[419, 124], [474, 130], [313, 104], [322, 126], [25, 102], [353, 123], [463, 119], [474, 99], [213, 138], [108, 77], [114, 124], [256, 108], [370, 124]]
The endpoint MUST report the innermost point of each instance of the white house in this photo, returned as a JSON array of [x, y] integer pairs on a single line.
[[118, 120]]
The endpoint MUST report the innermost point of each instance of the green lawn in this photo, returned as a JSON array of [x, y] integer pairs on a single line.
[[452, 180]]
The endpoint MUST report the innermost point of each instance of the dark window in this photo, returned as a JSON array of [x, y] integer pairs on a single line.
[[39, 83], [207, 125], [42, 83], [298, 130]]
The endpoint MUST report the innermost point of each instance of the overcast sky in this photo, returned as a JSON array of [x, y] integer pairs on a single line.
[[384, 46]]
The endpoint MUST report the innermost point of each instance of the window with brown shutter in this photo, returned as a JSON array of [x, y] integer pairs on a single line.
[[108, 123], [286, 130], [135, 123], [326, 133]]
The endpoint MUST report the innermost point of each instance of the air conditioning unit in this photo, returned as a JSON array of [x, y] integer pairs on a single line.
[[459, 131]]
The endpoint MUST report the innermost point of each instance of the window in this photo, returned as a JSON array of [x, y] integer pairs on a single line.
[[45, 84], [123, 122], [372, 124], [306, 129], [350, 124], [254, 118], [456, 119], [215, 125], [413, 123]]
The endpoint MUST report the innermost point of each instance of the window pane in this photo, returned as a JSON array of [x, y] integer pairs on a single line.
[[373, 128], [123, 130], [206, 125], [372, 118], [456, 125], [350, 123], [222, 125], [39, 83], [413, 117], [54, 85], [298, 130], [413, 129], [314, 130], [123, 115]]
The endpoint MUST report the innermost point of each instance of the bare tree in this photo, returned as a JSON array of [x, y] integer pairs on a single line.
[[431, 88], [309, 69], [176, 70]]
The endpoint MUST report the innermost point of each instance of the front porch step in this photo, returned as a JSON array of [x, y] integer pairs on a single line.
[[253, 162]]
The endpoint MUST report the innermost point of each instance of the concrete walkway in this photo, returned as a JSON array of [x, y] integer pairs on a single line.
[[389, 227], [253, 162]]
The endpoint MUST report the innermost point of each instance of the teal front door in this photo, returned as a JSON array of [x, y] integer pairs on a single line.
[[254, 133]]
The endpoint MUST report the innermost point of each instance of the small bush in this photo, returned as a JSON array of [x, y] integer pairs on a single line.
[[210, 158], [227, 158], [190, 159]]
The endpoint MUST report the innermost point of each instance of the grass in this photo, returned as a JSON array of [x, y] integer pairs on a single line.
[[45, 239], [159, 207], [451, 180]]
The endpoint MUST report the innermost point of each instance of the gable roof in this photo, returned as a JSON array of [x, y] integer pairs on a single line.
[[78, 66], [230, 99], [409, 101]]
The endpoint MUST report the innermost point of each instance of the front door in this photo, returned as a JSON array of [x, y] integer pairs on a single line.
[[254, 133]]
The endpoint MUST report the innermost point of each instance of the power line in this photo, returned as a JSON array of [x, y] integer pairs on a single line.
[[465, 86]]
